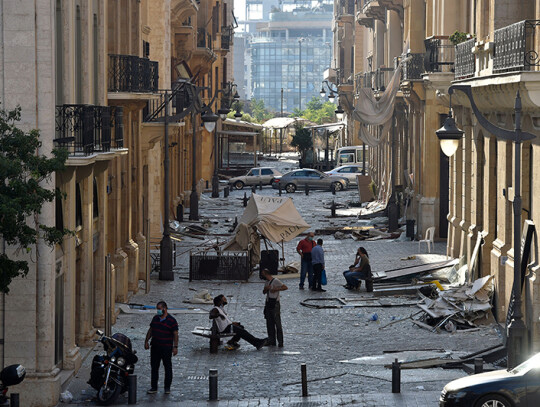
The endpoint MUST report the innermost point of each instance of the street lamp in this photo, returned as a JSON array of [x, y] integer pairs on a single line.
[[449, 135], [339, 113], [332, 94]]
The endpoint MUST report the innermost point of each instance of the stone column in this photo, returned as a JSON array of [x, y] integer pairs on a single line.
[[465, 223], [102, 174]]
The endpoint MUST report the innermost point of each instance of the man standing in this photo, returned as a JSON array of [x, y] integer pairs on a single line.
[[164, 333], [224, 324], [304, 250], [272, 308], [317, 258]]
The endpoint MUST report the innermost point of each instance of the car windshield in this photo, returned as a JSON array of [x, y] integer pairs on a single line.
[[529, 364]]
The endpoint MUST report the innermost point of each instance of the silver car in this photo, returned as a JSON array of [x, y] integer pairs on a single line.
[[254, 177], [314, 179], [349, 171]]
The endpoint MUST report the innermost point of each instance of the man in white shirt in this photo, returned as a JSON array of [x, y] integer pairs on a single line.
[[272, 308], [224, 324]]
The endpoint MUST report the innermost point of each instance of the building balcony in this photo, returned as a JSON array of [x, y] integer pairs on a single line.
[[86, 130], [377, 80], [465, 61], [226, 38], [374, 9], [516, 47], [363, 19], [132, 74], [203, 56], [395, 5], [413, 68], [440, 54]]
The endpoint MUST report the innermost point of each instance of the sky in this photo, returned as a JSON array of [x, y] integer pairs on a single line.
[[240, 9]]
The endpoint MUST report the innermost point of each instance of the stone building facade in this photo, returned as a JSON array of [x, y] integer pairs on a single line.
[[469, 194], [91, 75]]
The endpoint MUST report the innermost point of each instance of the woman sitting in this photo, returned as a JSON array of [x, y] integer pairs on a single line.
[[361, 270]]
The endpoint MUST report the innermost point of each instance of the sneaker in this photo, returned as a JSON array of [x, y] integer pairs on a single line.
[[269, 344], [322, 290], [261, 343], [151, 391], [280, 345], [167, 391], [301, 287], [232, 345]]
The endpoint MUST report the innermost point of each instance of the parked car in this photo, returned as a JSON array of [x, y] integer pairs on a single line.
[[349, 171], [254, 177], [296, 179], [518, 387]]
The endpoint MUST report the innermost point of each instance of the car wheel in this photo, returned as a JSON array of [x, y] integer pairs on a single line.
[[493, 400], [239, 185], [290, 188], [338, 186]]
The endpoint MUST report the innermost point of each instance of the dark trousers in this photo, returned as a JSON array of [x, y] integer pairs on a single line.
[[273, 324], [158, 354], [241, 333], [317, 276], [306, 268]]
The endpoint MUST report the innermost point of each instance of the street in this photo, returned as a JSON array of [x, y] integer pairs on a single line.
[[324, 339]]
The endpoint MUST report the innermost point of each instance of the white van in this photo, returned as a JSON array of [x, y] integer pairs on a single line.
[[352, 155]]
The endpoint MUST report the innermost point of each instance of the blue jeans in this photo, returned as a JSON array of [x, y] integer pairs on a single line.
[[306, 267], [353, 277]]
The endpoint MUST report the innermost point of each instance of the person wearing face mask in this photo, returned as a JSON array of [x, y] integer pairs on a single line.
[[306, 267], [224, 324], [164, 334]]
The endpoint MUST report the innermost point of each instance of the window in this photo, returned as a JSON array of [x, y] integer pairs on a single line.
[[95, 206], [313, 174], [254, 173], [266, 171]]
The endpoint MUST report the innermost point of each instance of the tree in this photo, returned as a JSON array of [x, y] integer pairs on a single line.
[[302, 139], [259, 111], [317, 111], [22, 195]]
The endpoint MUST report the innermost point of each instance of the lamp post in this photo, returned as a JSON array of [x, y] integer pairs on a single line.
[[300, 72], [331, 95], [449, 136], [165, 246], [393, 221]]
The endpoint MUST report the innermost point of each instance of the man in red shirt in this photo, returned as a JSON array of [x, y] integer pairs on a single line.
[[304, 250]]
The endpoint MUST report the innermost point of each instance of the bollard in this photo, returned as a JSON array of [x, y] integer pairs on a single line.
[[333, 209], [235, 223], [180, 212], [304, 379], [253, 189], [14, 400], [307, 189], [396, 377], [478, 365], [333, 188], [260, 185], [213, 382], [132, 389], [226, 192], [245, 200], [279, 187], [206, 184]]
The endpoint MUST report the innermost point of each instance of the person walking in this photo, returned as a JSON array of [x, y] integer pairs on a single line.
[[272, 308], [306, 267], [317, 259], [164, 334]]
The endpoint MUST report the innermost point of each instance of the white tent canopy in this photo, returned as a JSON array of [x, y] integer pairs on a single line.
[[277, 219]]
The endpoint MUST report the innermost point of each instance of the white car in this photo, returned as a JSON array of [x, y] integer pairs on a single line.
[[349, 171], [254, 177]]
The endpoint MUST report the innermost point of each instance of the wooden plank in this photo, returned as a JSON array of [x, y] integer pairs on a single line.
[[410, 271]]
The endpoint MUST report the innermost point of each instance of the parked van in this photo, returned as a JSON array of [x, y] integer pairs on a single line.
[[352, 155]]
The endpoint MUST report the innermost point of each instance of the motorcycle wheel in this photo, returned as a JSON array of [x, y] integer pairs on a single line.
[[108, 394]]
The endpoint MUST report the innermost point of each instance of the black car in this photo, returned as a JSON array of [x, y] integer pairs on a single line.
[[519, 387]]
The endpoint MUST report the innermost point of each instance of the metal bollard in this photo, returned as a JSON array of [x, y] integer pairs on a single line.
[[260, 185], [132, 389], [213, 383], [478, 365], [396, 377], [206, 184], [253, 189], [333, 188], [226, 192], [333, 209], [279, 187], [14, 400], [303, 368], [180, 212], [244, 200], [307, 189]]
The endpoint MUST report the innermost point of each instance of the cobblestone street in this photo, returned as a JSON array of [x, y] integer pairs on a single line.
[[321, 338]]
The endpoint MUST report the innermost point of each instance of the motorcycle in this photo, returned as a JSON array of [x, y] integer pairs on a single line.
[[110, 371], [10, 376]]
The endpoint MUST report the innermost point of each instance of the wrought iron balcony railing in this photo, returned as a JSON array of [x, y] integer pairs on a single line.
[[178, 98], [465, 62], [86, 129], [516, 47], [413, 67], [440, 54], [345, 7], [204, 39], [377, 80], [226, 37], [130, 73]]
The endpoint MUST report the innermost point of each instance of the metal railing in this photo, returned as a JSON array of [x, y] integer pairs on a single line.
[[440, 54], [465, 61], [117, 126], [345, 7], [84, 129], [130, 73], [413, 67], [226, 37], [179, 98], [516, 48], [204, 39]]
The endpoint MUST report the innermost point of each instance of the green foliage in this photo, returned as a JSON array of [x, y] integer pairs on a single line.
[[317, 111], [302, 139], [246, 117], [259, 111], [458, 37], [22, 195]]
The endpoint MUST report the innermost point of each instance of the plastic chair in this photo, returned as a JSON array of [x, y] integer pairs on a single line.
[[429, 240]]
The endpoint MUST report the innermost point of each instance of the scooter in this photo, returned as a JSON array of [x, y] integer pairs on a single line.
[[110, 371], [10, 376]]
